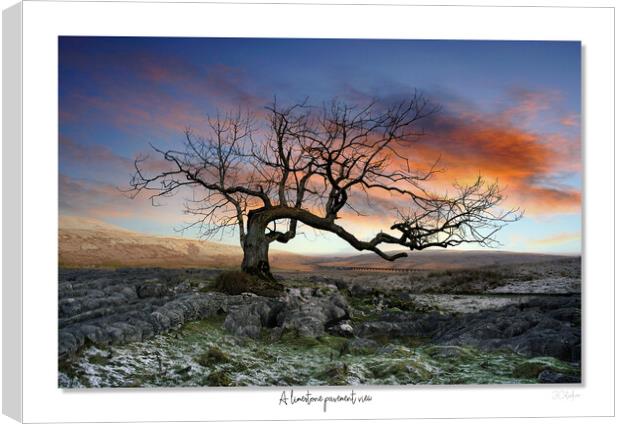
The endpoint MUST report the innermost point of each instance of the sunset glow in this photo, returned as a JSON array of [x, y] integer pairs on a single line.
[[509, 111]]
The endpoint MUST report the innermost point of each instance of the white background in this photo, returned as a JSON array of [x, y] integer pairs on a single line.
[[44, 21]]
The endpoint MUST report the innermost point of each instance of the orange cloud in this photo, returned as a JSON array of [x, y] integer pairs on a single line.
[[526, 163]]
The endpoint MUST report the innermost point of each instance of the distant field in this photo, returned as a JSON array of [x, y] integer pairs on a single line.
[[91, 243], [440, 259]]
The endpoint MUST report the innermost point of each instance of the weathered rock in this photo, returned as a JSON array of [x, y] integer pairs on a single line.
[[540, 327], [94, 334], [552, 377], [184, 287], [68, 307], [152, 290], [67, 343], [360, 290], [309, 315], [449, 352], [344, 329], [360, 346], [247, 320], [108, 307], [306, 312]]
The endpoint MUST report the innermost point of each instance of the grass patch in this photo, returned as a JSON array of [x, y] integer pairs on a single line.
[[237, 282], [212, 357], [411, 371], [531, 368], [335, 375], [99, 359], [218, 378]]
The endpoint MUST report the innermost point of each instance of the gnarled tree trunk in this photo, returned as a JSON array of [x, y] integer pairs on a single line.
[[256, 249]]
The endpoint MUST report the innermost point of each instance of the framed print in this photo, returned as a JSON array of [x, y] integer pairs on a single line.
[[257, 173], [229, 204]]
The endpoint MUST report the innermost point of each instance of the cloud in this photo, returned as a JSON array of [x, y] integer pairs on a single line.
[[526, 104], [90, 155], [571, 120], [518, 143], [138, 92], [557, 239], [530, 165], [103, 201], [135, 111]]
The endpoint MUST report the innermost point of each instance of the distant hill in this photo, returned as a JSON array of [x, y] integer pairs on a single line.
[[89, 242], [437, 259], [86, 242]]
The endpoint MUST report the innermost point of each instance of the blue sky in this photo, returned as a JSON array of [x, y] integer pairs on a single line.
[[509, 110]]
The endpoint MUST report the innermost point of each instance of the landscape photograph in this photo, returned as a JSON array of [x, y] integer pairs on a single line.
[[318, 212]]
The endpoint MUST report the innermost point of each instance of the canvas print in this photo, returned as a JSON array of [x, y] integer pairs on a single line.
[[294, 212]]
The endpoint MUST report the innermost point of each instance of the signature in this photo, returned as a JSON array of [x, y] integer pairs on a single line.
[[565, 395]]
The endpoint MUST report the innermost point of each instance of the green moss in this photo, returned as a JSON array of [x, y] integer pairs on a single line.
[[183, 371], [333, 342], [359, 349], [137, 382], [450, 353], [99, 359], [292, 338], [533, 367], [66, 366], [264, 354], [218, 378], [291, 380], [394, 309], [382, 339], [207, 287], [294, 360], [212, 357], [528, 370], [396, 303], [335, 375], [406, 371]]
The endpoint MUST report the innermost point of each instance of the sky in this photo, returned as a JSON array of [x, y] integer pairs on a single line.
[[509, 110]]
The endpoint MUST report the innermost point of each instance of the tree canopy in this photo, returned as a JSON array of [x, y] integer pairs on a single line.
[[264, 173]]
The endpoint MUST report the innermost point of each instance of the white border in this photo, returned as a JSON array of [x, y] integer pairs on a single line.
[[44, 21]]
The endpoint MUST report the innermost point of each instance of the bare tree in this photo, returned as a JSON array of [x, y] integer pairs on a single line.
[[305, 165]]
